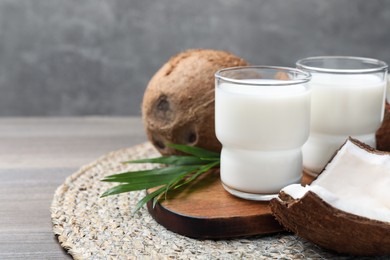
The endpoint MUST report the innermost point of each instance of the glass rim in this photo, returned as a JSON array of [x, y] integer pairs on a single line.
[[305, 79], [381, 65]]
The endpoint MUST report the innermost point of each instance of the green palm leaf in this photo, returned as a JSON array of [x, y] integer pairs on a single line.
[[181, 170]]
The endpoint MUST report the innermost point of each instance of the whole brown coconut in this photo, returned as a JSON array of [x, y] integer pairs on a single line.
[[178, 104]]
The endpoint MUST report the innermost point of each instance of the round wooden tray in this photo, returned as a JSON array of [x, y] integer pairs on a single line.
[[203, 209]]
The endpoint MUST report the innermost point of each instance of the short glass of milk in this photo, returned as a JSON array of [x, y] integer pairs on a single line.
[[262, 116], [348, 98]]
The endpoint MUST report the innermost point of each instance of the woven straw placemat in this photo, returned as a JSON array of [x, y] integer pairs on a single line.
[[89, 227]]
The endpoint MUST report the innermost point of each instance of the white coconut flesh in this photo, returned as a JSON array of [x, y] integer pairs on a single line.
[[356, 181]]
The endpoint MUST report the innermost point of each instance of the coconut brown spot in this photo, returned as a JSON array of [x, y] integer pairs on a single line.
[[186, 134], [158, 144], [192, 138], [163, 109]]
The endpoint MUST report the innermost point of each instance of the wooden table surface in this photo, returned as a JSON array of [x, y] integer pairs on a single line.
[[36, 155]]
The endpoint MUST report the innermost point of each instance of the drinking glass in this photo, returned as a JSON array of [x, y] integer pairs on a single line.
[[262, 118], [348, 97]]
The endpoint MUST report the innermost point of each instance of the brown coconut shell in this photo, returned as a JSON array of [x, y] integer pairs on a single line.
[[178, 104], [317, 221], [383, 133]]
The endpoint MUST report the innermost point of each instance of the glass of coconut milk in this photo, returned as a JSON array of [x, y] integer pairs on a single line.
[[262, 120], [348, 97]]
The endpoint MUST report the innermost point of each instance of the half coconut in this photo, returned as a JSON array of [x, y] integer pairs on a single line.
[[347, 208]]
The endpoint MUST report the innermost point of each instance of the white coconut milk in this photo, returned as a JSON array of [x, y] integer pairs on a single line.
[[262, 129], [342, 106]]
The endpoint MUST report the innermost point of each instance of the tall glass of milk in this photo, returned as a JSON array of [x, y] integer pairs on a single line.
[[262, 120], [348, 97]]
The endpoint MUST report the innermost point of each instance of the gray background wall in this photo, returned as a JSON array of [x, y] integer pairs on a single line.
[[95, 57]]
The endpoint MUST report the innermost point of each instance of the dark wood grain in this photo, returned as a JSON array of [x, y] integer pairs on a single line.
[[205, 210]]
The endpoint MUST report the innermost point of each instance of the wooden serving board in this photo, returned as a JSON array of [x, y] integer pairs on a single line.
[[203, 209]]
